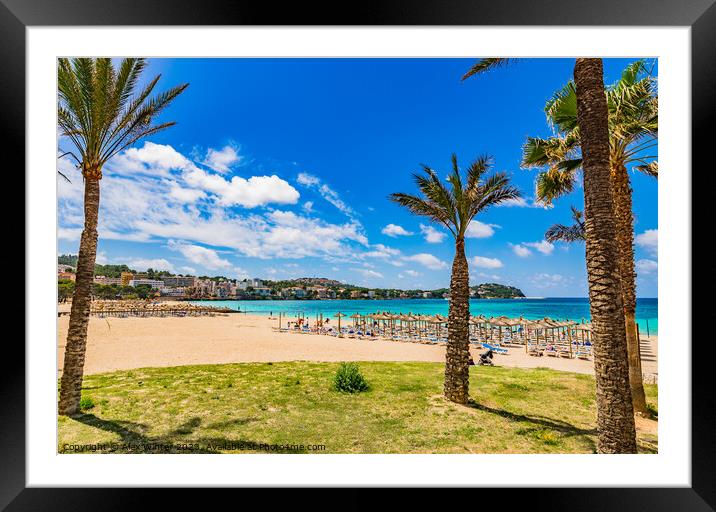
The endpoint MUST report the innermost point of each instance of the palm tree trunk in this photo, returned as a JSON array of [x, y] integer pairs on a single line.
[[73, 369], [615, 415], [457, 356], [625, 239]]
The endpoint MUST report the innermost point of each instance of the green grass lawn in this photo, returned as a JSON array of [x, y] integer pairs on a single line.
[[265, 407]]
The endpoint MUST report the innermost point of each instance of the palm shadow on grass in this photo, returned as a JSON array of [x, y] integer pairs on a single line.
[[644, 445], [564, 428], [541, 423], [178, 440]]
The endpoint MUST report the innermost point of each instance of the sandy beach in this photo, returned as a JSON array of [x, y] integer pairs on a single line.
[[126, 343]]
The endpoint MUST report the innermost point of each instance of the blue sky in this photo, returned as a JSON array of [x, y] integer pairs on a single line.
[[281, 168]]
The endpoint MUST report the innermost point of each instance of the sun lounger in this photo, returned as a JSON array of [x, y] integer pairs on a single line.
[[583, 355], [495, 349], [535, 351]]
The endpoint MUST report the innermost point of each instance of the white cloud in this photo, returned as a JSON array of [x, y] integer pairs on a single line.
[[188, 270], [154, 159], [649, 241], [101, 258], [368, 273], [546, 280], [382, 251], [207, 258], [413, 273], [432, 235], [542, 246], [308, 206], [522, 202], [427, 260], [332, 197], [185, 195], [240, 273], [520, 250], [153, 207], [646, 266], [327, 193], [71, 234], [484, 262], [222, 160], [157, 160], [477, 229], [308, 180], [68, 167], [154, 264], [256, 191], [393, 230]]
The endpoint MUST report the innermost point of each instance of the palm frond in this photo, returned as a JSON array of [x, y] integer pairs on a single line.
[[477, 169], [539, 152], [650, 169], [633, 128], [562, 233], [573, 233], [435, 191], [457, 191], [423, 208], [577, 215], [455, 207], [552, 184], [101, 112], [561, 109], [494, 191], [483, 65]]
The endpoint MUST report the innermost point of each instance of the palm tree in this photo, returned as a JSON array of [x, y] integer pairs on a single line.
[[633, 128], [101, 113], [615, 414], [454, 207], [562, 233]]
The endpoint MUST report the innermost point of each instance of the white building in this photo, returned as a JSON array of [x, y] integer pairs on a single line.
[[155, 284], [173, 292], [178, 281], [253, 283], [262, 291], [294, 291]]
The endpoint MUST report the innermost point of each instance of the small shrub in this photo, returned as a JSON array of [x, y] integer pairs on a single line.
[[86, 403], [349, 379]]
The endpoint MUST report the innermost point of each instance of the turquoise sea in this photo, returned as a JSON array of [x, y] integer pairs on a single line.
[[576, 309]]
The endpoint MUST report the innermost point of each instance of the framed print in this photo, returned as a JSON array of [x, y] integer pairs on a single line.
[[420, 245]]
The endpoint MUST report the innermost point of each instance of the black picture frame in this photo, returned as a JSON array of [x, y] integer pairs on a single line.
[[17, 15]]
